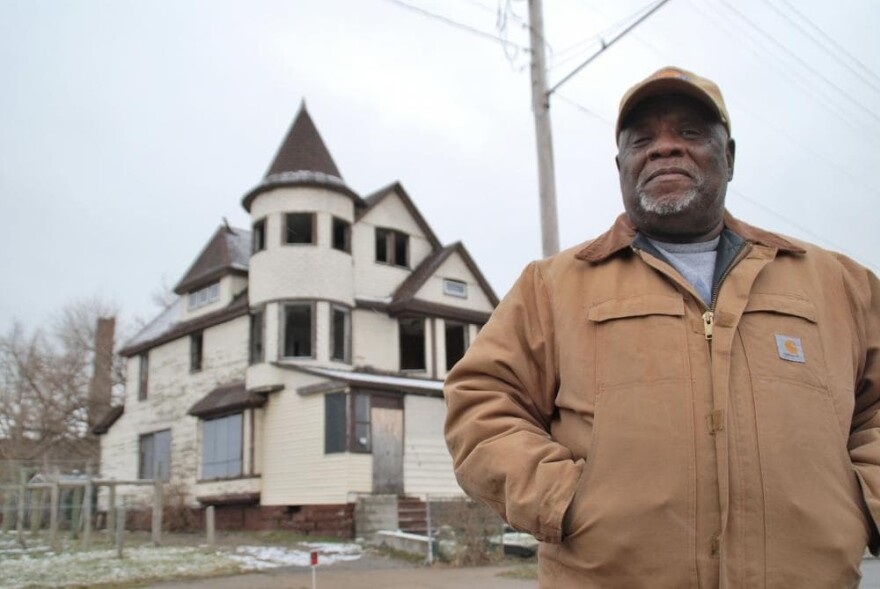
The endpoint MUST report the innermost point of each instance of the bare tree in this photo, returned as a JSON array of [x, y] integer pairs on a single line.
[[45, 383]]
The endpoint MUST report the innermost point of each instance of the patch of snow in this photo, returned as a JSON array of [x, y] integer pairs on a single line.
[[266, 557]]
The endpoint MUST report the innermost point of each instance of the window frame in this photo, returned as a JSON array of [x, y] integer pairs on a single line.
[[346, 238], [258, 236], [257, 354], [283, 329], [204, 296], [196, 351], [390, 237], [143, 376], [285, 234], [400, 347], [241, 449], [346, 328], [148, 440], [465, 330], [449, 289]]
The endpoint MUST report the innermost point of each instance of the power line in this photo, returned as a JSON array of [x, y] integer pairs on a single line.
[[799, 60], [458, 25], [831, 40], [836, 58]]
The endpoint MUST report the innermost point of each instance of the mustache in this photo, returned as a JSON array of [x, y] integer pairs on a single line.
[[688, 171]]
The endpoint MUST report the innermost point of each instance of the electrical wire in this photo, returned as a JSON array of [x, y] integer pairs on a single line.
[[801, 61], [459, 25]]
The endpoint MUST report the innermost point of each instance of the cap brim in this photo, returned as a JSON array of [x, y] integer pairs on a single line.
[[667, 86]]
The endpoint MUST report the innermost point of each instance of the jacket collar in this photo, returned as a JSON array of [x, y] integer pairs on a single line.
[[623, 233]]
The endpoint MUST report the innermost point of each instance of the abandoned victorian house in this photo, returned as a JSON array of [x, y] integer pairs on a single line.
[[300, 370]]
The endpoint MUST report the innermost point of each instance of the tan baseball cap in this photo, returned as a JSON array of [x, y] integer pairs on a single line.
[[674, 80]]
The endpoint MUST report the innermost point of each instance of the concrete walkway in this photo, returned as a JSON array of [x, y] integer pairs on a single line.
[[409, 578]]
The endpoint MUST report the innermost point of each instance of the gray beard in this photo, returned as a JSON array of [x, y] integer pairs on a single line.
[[667, 206]]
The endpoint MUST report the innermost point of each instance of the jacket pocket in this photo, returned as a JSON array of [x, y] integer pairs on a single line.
[[782, 339], [639, 339], [633, 512]]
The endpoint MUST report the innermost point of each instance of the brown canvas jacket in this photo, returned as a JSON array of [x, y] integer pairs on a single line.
[[593, 412]]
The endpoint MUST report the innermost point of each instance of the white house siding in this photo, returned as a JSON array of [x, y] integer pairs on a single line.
[[374, 340], [295, 470], [172, 390], [313, 271], [454, 268], [427, 465], [234, 487]]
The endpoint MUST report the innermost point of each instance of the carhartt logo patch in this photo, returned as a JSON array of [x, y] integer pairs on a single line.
[[790, 348]]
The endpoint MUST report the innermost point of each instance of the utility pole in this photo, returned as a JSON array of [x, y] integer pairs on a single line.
[[543, 134], [541, 110]]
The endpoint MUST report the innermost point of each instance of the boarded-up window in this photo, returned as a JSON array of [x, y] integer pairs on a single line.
[[298, 330], [299, 228], [154, 455], [335, 423], [221, 447], [456, 343], [412, 344]]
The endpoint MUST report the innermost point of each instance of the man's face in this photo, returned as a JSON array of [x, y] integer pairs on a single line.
[[674, 159]]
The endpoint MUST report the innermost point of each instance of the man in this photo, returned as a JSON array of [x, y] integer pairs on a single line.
[[685, 401]]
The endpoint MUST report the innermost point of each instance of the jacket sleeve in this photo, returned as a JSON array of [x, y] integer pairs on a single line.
[[864, 440], [500, 400]]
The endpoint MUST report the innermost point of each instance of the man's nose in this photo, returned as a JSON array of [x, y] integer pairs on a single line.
[[666, 144]]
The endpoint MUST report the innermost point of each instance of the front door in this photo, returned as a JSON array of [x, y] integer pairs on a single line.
[[387, 434]]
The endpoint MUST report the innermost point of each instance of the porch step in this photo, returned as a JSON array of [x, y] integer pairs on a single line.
[[412, 515]]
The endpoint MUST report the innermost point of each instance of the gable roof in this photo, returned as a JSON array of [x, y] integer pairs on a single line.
[[302, 160], [408, 289], [371, 201], [228, 251]]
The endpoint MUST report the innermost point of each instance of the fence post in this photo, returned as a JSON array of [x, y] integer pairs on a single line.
[[120, 529], [37, 510], [111, 509], [209, 524], [19, 516], [54, 496], [87, 512], [428, 531], [157, 507], [76, 511], [7, 510]]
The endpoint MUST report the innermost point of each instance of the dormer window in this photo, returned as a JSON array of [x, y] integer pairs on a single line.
[[392, 247], [299, 228], [204, 296]]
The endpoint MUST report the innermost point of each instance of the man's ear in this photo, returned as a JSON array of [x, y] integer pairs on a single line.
[[731, 152], [617, 162]]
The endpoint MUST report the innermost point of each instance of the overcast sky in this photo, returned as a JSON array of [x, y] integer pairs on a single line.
[[129, 129]]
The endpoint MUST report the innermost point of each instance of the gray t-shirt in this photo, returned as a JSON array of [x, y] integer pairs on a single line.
[[694, 261]]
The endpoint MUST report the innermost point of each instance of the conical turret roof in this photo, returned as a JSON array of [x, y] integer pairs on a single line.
[[303, 150], [302, 160]]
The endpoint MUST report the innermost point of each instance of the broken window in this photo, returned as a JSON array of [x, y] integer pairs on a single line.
[[456, 343], [392, 247], [340, 334], [299, 228], [412, 343], [258, 236], [298, 330], [341, 235]]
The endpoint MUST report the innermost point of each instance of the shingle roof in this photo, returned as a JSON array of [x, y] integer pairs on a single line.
[[228, 251], [302, 160], [225, 399], [108, 419]]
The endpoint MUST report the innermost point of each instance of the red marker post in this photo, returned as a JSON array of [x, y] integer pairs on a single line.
[[314, 558]]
